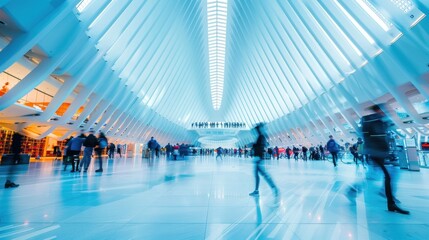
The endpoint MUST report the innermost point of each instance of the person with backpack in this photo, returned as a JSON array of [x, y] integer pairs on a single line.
[[101, 145], [374, 131], [333, 147]]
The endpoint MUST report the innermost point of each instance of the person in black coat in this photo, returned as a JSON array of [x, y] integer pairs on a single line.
[[376, 147], [333, 148], [259, 149], [374, 130], [111, 150]]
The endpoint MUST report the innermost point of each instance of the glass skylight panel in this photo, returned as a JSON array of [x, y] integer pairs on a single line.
[[216, 23], [373, 12], [404, 5], [82, 5]]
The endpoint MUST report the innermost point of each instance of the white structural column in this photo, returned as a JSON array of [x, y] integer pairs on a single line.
[[115, 112], [39, 74], [96, 99], [82, 97], [24, 42], [67, 88]]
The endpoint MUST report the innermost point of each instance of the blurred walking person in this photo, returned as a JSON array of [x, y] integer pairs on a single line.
[[73, 151], [374, 130], [333, 148], [101, 145], [111, 150], [259, 148], [219, 153], [152, 144], [89, 144]]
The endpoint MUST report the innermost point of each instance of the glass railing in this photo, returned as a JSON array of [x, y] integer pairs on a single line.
[[218, 125]]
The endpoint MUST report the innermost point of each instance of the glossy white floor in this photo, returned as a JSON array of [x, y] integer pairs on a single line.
[[202, 198]]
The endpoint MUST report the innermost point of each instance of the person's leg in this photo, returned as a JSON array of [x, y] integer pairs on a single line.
[[391, 206], [257, 179], [268, 178], [334, 158], [82, 162], [72, 156], [66, 162], [100, 160], [387, 186], [87, 158], [75, 162]]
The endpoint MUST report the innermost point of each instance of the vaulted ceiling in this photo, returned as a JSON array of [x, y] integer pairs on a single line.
[[141, 68]]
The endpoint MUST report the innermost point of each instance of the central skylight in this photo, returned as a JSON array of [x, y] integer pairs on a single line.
[[216, 21]]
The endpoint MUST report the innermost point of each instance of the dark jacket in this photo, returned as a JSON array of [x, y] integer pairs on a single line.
[[101, 141], [112, 147], [90, 141], [332, 146], [76, 143], [374, 130], [152, 144], [259, 146]]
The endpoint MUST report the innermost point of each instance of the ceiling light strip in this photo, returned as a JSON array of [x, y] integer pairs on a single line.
[[216, 21]]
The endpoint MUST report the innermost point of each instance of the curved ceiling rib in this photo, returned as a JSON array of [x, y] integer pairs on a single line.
[[139, 68]]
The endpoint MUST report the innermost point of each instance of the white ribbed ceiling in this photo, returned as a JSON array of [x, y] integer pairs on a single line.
[[153, 67]]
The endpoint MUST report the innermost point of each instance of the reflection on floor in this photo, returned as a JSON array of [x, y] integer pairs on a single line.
[[201, 198]]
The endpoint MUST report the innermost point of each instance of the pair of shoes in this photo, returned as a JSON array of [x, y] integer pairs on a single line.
[[254, 193], [85, 170], [10, 184], [72, 171], [99, 170], [395, 208]]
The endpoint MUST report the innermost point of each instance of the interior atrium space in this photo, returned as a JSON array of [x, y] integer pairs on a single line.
[[214, 119]]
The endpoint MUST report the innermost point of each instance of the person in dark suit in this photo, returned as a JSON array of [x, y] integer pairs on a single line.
[[374, 130]]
